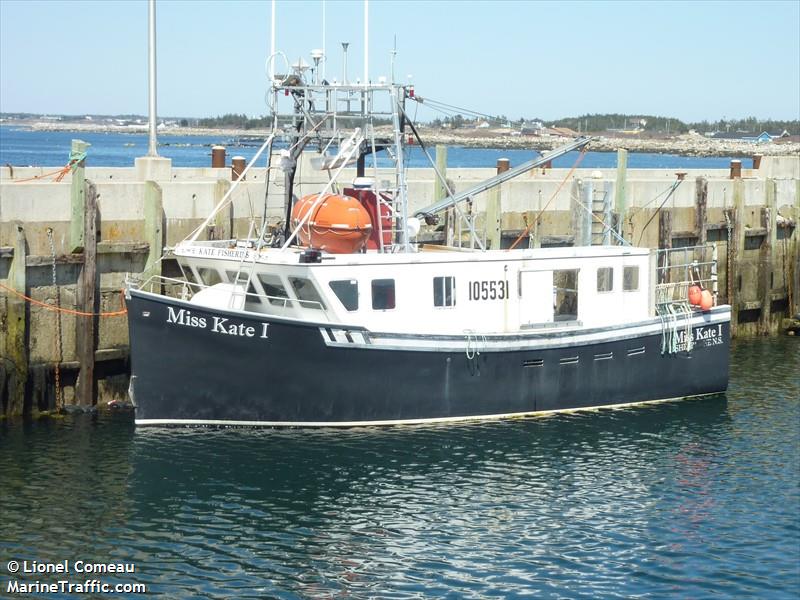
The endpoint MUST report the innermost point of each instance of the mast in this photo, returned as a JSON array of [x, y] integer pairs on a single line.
[[400, 166], [152, 147], [366, 42]]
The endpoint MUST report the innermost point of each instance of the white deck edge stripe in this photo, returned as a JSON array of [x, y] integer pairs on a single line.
[[494, 417]]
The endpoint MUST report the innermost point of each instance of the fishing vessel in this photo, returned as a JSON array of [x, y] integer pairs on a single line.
[[338, 316]]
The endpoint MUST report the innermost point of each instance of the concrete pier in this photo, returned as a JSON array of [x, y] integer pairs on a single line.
[[752, 218]]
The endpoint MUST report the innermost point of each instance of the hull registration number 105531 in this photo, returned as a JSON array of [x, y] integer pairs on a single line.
[[488, 290]]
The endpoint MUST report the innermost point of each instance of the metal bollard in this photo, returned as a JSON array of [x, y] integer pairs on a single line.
[[218, 157], [237, 167]]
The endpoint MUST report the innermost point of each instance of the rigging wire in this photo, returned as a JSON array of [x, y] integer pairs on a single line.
[[658, 210], [527, 230]]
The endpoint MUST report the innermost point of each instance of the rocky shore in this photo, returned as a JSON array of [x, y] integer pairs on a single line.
[[684, 145]]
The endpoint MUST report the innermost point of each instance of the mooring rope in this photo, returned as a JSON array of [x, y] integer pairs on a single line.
[[68, 311], [74, 159]]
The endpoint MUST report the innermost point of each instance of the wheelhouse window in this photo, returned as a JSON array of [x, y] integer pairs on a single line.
[[273, 288], [209, 276], [242, 280], [630, 279], [565, 292], [605, 279], [383, 297], [306, 293], [444, 291], [346, 291]]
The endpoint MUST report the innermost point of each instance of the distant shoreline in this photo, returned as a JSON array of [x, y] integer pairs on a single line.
[[682, 145]]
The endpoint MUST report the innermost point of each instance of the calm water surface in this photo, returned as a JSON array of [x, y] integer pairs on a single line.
[[22, 147], [697, 499]]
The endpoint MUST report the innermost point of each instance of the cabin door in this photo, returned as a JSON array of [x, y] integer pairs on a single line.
[[535, 298]]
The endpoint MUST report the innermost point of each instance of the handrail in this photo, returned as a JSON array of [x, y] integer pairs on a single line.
[[286, 301]]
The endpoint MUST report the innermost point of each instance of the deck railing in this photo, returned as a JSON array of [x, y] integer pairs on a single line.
[[184, 290], [677, 269]]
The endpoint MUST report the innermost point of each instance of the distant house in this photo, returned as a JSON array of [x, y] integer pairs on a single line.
[[763, 138], [531, 128], [483, 125]]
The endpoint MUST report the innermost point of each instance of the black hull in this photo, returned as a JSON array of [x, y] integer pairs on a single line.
[[267, 371]]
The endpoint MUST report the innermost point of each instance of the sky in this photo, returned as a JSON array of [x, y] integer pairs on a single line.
[[690, 60]]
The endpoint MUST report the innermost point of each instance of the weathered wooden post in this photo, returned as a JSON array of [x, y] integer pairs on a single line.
[[77, 197], [153, 227], [794, 253], [223, 221], [765, 277], [85, 299], [737, 248], [620, 201], [665, 228], [440, 192], [700, 204], [16, 365], [494, 208]]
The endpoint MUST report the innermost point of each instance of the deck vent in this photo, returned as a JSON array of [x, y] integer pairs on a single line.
[[533, 362]]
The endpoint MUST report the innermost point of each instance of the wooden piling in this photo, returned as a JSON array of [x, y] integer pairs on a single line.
[[737, 248], [665, 228], [494, 209], [794, 256], [223, 220], [765, 277], [85, 299], [700, 204], [14, 369], [153, 227], [77, 199], [440, 192], [620, 201]]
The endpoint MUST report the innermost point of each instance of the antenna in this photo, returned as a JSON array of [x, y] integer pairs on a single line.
[[344, 75], [394, 54], [366, 42], [324, 47], [272, 35], [316, 56]]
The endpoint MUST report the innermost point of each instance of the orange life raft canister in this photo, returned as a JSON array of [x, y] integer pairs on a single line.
[[336, 224]]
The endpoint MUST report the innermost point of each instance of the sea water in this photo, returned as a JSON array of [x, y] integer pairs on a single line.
[[23, 147], [691, 499]]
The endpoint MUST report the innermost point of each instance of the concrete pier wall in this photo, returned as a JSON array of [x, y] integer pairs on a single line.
[[135, 218]]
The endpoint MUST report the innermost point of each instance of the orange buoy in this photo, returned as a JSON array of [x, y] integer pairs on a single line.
[[336, 224], [694, 294], [706, 300]]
